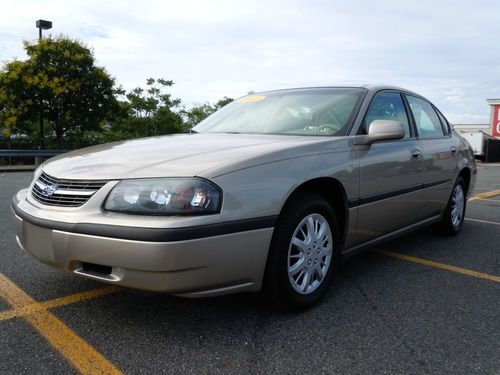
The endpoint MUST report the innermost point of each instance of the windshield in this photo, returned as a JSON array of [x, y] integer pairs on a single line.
[[320, 112]]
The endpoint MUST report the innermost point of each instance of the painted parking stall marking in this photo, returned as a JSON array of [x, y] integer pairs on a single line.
[[482, 221], [56, 302], [77, 351], [442, 266], [487, 194]]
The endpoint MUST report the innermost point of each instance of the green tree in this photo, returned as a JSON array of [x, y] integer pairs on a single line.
[[151, 111], [198, 113], [60, 78]]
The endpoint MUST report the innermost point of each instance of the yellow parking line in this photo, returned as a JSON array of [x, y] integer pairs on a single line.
[[74, 298], [442, 266], [487, 194], [482, 221], [78, 352]]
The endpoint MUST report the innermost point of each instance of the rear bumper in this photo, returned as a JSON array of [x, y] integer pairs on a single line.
[[206, 266]]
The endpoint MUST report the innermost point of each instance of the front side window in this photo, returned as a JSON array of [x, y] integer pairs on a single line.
[[318, 112], [426, 119], [388, 106]]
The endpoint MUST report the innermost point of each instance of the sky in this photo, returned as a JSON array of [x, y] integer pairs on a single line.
[[447, 51]]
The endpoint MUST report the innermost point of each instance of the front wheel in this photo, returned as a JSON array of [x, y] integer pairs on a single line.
[[453, 216], [303, 253]]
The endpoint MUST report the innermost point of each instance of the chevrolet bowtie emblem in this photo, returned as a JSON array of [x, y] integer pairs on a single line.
[[49, 190]]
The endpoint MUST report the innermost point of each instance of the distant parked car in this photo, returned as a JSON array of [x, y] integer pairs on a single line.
[[269, 193]]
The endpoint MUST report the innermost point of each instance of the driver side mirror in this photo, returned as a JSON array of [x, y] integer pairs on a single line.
[[381, 130]]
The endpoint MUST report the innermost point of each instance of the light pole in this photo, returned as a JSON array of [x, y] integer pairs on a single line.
[[42, 25]]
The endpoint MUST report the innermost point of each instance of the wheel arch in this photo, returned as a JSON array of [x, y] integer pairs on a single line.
[[465, 173], [333, 192]]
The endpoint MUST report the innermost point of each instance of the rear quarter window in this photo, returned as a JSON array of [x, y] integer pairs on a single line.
[[445, 123]]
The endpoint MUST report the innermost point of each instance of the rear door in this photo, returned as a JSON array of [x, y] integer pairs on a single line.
[[390, 173], [438, 154]]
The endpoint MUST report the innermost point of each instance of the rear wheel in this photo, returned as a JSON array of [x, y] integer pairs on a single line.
[[453, 216], [303, 253]]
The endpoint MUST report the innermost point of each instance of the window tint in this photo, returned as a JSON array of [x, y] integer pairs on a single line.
[[388, 106], [426, 119]]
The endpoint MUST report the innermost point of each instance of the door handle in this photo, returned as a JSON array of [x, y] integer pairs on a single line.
[[453, 149], [416, 153]]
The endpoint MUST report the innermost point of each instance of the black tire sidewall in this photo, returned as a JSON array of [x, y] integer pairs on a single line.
[[276, 281]]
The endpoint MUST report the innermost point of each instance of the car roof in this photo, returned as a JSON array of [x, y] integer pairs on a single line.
[[372, 87], [369, 87]]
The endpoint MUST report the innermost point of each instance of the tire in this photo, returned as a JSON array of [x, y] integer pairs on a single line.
[[304, 253], [453, 216]]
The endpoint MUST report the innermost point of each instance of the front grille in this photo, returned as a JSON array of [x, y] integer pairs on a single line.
[[66, 193]]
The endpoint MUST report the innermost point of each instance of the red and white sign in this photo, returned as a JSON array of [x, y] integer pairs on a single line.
[[495, 132]]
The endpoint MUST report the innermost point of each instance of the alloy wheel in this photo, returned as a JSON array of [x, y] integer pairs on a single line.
[[457, 206], [309, 253]]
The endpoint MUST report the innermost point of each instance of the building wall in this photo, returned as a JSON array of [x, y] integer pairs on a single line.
[[494, 117]]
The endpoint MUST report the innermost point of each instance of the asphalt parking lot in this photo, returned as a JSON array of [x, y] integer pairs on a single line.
[[420, 304]]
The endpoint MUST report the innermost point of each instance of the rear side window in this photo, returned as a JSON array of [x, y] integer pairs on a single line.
[[388, 106], [426, 119]]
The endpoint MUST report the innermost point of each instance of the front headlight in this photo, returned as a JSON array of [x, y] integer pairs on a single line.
[[165, 196]]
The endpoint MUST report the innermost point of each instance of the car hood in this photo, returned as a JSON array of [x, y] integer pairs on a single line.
[[206, 155]]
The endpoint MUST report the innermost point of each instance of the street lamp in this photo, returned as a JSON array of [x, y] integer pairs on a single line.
[[42, 25]]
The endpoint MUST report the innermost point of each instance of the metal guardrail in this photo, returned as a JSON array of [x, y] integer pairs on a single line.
[[30, 153], [39, 155]]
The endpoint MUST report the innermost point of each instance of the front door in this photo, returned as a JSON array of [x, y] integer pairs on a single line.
[[391, 174]]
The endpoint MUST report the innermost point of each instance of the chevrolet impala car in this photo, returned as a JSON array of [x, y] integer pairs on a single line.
[[268, 194]]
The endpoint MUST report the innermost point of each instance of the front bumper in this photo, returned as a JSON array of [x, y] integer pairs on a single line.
[[176, 262]]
